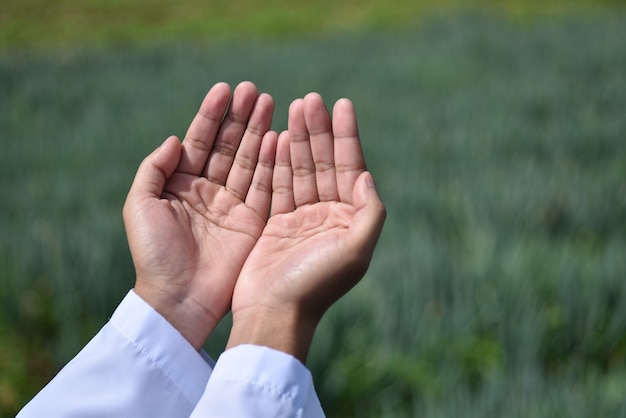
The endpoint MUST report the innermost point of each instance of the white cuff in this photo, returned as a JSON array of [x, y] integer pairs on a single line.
[[255, 381], [159, 341]]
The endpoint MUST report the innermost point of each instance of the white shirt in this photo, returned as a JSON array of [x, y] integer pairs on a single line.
[[138, 365]]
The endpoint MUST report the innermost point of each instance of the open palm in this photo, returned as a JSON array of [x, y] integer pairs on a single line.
[[325, 219], [196, 209]]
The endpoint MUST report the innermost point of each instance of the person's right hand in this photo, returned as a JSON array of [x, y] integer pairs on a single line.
[[326, 217], [196, 209]]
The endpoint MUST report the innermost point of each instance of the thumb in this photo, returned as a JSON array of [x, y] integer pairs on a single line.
[[155, 169], [370, 214]]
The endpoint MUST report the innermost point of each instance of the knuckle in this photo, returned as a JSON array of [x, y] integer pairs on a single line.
[[323, 166], [303, 171], [262, 187], [245, 163], [225, 148], [197, 143], [255, 130]]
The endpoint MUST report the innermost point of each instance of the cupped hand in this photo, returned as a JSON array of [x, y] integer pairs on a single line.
[[326, 217], [196, 209]]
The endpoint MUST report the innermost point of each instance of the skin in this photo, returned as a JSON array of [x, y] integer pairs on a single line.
[[198, 229], [196, 209], [325, 221]]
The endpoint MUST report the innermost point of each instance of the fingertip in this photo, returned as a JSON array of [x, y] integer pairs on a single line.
[[296, 124], [369, 180], [319, 124], [283, 135], [295, 105], [313, 97], [314, 109], [366, 191], [283, 153], [246, 83], [270, 135], [220, 87], [371, 211], [266, 97], [247, 86], [267, 101], [343, 104], [268, 147], [169, 141], [215, 102], [167, 156], [344, 119], [155, 169], [362, 186]]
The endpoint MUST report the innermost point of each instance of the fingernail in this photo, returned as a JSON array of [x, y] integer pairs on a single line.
[[369, 180]]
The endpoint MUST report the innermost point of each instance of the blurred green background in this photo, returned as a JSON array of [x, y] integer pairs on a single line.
[[495, 129]]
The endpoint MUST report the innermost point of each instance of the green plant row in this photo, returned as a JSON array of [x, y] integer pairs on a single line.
[[43, 24]]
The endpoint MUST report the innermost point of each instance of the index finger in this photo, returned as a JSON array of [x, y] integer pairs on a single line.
[[203, 129]]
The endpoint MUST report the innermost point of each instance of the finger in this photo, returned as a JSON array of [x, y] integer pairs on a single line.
[[230, 133], [369, 218], [282, 180], [349, 160], [155, 169], [302, 164], [203, 129], [260, 193], [320, 130], [245, 162]]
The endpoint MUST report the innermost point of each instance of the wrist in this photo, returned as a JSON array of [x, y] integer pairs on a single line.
[[193, 327], [287, 330]]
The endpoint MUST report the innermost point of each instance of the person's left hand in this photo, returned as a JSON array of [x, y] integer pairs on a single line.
[[325, 221], [196, 209]]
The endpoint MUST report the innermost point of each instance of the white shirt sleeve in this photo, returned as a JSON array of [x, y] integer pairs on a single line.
[[253, 381], [138, 365]]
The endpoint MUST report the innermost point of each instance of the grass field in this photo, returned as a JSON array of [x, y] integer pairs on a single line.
[[44, 23], [498, 287]]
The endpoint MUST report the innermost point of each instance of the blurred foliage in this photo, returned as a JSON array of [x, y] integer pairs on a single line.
[[498, 286], [37, 23]]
